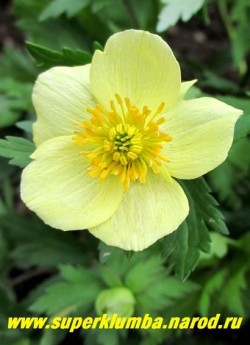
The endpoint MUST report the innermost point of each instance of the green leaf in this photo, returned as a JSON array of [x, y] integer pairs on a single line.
[[97, 45], [242, 128], [6, 170], [224, 285], [44, 246], [163, 295], [15, 98], [18, 149], [244, 244], [3, 208], [76, 288], [219, 248], [241, 35], [103, 337], [183, 246], [52, 336], [144, 274], [174, 10], [114, 258], [212, 285], [58, 7], [16, 65], [9, 113], [55, 33], [19, 340], [98, 5], [224, 288], [4, 250], [218, 83], [223, 182], [228, 177], [230, 296], [48, 58], [18, 91], [17, 73], [185, 303], [26, 126]]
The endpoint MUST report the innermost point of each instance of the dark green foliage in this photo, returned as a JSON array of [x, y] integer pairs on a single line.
[[18, 149], [40, 245], [182, 247], [48, 58], [203, 268]]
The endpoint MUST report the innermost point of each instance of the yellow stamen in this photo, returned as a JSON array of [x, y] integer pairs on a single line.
[[125, 141]]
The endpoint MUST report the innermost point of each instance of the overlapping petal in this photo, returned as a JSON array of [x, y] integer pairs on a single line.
[[146, 213], [60, 97], [138, 65], [57, 187], [185, 86], [202, 131]]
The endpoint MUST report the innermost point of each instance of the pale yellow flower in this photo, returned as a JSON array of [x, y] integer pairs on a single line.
[[110, 138]]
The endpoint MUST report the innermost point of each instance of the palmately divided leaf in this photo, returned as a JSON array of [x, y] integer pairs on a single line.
[[44, 247], [48, 58], [76, 288], [58, 7], [18, 149], [146, 276], [14, 99], [241, 38], [174, 10], [182, 247], [224, 289], [16, 66]]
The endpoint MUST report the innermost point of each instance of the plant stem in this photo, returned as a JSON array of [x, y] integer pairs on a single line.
[[222, 5]]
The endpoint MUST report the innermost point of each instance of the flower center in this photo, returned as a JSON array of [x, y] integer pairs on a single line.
[[123, 141]]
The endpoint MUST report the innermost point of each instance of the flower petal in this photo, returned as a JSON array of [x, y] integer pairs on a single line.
[[57, 187], [60, 97], [202, 130], [185, 86], [146, 213], [138, 65]]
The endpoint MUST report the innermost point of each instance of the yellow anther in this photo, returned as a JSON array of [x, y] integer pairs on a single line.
[[123, 160], [127, 102], [116, 156], [155, 168], [146, 111], [160, 121], [112, 133], [119, 128], [132, 155], [118, 98], [104, 174], [137, 148], [160, 109], [107, 145]]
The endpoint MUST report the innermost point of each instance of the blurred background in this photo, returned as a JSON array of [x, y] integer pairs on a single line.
[[45, 272]]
